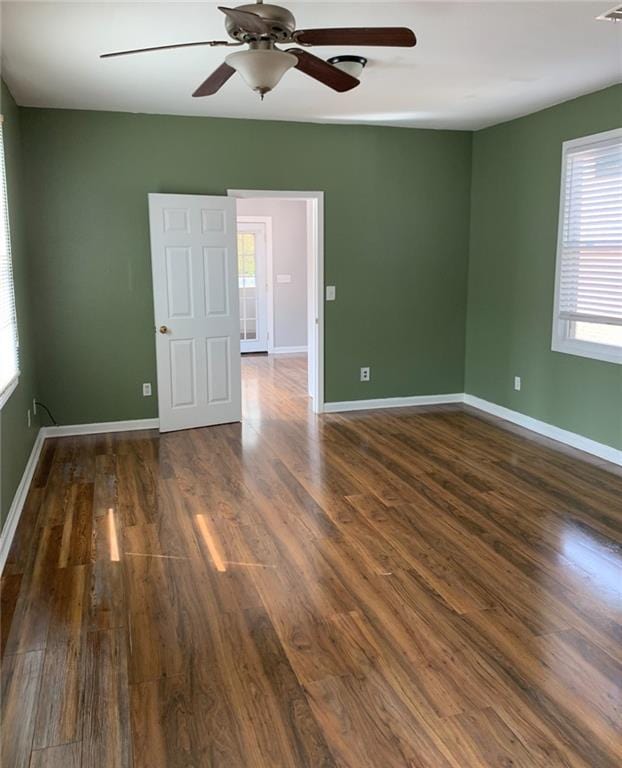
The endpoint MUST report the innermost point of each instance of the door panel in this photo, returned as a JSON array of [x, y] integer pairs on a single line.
[[179, 282], [183, 373], [218, 367], [193, 254], [216, 282], [176, 220], [213, 220]]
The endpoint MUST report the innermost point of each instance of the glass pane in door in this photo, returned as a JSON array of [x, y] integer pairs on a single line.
[[247, 271]]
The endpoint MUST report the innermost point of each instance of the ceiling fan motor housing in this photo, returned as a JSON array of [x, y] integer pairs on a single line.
[[282, 22]]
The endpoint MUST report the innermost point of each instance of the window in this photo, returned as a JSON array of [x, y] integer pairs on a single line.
[[588, 282], [8, 326], [247, 277]]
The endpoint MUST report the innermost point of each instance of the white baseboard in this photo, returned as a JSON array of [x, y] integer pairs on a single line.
[[287, 350], [15, 510], [548, 430], [392, 402], [100, 427], [573, 439]]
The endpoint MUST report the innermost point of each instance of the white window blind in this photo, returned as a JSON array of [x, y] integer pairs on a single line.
[[590, 250], [8, 323]]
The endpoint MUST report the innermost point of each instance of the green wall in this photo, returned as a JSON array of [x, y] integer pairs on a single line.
[[401, 205], [515, 205], [16, 439], [396, 245]]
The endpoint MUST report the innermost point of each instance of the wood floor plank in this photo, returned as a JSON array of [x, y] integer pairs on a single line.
[[77, 527], [56, 494], [567, 714], [367, 725], [105, 484], [185, 720], [106, 738], [154, 644], [59, 717], [63, 756], [404, 588], [482, 739], [21, 682], [268, 737], [23, 548], [136, 489], [308, 745], [107, 604], [46, 462], [29, 627], [10, 586]]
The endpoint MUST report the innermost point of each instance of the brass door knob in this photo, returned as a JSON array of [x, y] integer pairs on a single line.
[[163, 329]]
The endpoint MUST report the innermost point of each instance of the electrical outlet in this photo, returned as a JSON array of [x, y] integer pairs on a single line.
[[517, 383], [365, 374], [34, 406], [29, 418], [146, 389], [331, 293]]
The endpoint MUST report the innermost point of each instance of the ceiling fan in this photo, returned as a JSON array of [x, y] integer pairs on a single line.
[[262, 64]]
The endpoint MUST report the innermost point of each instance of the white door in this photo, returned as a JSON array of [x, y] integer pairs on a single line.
[[253, 285], [194, 263]]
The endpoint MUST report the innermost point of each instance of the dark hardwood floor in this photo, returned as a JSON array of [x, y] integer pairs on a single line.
[[401, 588]]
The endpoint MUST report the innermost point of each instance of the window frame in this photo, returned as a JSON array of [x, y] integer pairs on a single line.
[[8, 390], [11, 386], [561, 340]]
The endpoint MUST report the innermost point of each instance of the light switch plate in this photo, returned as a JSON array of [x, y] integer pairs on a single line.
[[517, 383], [146, 389], [331, 292]]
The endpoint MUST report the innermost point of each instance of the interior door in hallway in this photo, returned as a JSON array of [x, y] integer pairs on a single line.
[[253, 284], [196, 308]]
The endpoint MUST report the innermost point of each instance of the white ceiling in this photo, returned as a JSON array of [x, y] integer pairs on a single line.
[[475, 64]]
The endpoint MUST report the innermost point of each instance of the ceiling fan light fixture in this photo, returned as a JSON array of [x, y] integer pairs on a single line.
[[352, 65], [261, 69]]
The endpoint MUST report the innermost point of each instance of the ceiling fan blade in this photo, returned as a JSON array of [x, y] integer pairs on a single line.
[[400, 37], [162, 48], [320, 70], [247, 21], [215, 81]]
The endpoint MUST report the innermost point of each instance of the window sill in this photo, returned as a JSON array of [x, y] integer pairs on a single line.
[[8, 391], [588, 349]]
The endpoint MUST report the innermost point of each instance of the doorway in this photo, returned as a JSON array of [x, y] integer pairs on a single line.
[[197, 316], [294, 279]]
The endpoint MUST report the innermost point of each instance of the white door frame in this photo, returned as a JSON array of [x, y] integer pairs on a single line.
[[267, 222], [315, 281]]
